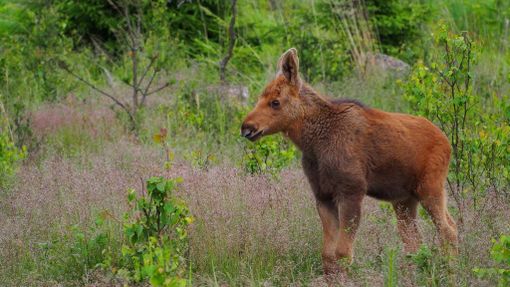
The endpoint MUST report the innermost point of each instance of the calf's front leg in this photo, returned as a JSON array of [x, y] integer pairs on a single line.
[[330, 228], [340, 222], [349, 210]]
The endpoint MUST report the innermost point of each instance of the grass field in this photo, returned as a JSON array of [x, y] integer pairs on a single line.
[[249, 229]]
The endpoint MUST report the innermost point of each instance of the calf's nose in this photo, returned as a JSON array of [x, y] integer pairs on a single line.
[[247, 129]]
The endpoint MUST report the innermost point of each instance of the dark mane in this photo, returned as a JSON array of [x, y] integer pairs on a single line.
[[309, 93], [347, 101]]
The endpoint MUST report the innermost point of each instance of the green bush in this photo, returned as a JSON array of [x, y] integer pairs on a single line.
[[10, 154], [156, 235], [197, 112], [28, 72]]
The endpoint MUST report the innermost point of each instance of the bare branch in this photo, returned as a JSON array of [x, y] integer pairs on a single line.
[[147, 87], [118, 102], [147, 69], [123, 9], [134, 60], [159, 89], [131, 31]]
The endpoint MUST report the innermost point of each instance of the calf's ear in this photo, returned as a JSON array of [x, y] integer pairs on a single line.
[[288, 65]]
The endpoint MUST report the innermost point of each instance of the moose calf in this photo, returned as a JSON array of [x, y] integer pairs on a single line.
[[350, 151]]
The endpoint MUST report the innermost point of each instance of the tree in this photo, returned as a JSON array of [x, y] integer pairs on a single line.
[[132, 38], [231, 42]]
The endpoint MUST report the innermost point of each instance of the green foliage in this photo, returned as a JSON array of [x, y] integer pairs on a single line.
[[69, 256], [432, 267], [13, 18], [10, 154], [500, 253], [89, 247], [399, 24], [268, 155], [9, 157], [422, 258], [199, 23], [199, 113], [149, 245], [486, 19], [28, 72], [90, 21], [323, 51], [156, 235], [97, 22]]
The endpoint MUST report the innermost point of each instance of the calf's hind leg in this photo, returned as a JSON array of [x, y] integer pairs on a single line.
[[406, 222], [433, 199], [450, 220]]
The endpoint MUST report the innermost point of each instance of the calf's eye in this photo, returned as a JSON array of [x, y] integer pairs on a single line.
[[275, 104]]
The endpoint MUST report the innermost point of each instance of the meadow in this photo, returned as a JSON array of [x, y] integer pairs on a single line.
[[122, 163]]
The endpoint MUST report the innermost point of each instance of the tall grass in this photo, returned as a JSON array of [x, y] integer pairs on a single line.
[[249, 229], [356, 28]]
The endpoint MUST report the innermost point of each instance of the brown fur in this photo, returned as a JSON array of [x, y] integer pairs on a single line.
[[351, 151]]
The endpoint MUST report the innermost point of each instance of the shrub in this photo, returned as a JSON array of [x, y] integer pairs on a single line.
[[27, 70], [156, 235], [197, 111], [433, 269], [443, 93]]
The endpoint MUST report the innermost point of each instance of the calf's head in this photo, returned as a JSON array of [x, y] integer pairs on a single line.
[[279, 104]]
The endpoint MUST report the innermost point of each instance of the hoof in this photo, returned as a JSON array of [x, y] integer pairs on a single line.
[[335, 279]]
